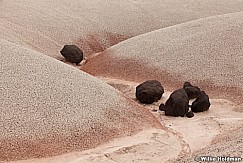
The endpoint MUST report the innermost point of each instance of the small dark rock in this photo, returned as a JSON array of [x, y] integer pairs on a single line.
[[72, 53], [201, 104], [192, 91], [190, 114], [187, 84], [149, 91]]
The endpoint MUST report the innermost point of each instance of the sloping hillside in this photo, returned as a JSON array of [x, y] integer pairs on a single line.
[[49, 108], [207, 51], [95, 25]]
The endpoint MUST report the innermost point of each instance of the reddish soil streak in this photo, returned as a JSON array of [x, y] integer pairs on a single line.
[[95, 43], [56, 144], [107, 65]]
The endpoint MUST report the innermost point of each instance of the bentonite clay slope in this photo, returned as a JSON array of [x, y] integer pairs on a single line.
[[95, 25], [49, 108], [208, 50]]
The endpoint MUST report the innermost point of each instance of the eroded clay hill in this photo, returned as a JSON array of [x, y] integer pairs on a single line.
[[46, 26], [207, 51], [49, 108]]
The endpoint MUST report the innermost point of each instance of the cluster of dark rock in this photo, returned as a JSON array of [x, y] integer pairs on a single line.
[[151, 91], [72, 54], [178, 103]]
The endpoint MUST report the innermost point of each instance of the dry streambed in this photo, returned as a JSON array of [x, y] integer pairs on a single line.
[[180, 138], [195, 133]]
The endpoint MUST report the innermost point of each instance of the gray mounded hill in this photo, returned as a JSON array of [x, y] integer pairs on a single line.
[[49, 108], [208, 50], [95, 25]]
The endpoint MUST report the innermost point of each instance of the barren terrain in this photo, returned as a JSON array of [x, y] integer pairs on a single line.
[[52, 111]]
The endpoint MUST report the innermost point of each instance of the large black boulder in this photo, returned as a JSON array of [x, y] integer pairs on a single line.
[[72, 53], [177, 104], [201, 104], [149, 91], [192, 91]]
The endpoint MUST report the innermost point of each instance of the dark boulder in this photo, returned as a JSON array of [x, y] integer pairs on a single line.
[[192, 91], [177, 104], [190, 114], [149, 91], [201, 104], [72, 53]]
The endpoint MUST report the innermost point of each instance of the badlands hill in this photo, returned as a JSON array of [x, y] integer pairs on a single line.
[[206, 51], [46, 26], [49, 108]]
